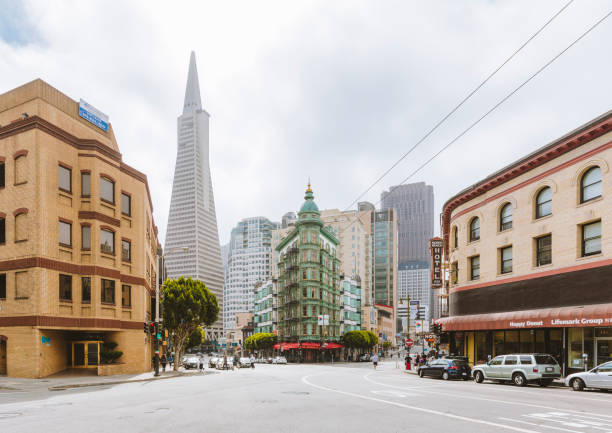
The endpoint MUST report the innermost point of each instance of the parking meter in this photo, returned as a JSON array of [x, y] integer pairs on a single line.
[[585, 358]]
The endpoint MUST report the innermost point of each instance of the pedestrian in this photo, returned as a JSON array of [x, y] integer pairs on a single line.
[[225, 362], [408, 362], [164, 361], [252, 361], [201, 362], [374, 360]]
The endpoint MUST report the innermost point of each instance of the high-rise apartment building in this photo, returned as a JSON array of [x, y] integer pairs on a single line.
[[248, 263], [192, 220], [414, 204], [414, 283]]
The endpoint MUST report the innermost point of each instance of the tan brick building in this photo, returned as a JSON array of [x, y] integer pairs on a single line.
[[77, 240], [530, 254]]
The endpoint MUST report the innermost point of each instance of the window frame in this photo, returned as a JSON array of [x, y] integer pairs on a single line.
[[83, 300], [112, 182], [85, 227], [106, 230], [66, 223], [455, 237], [129, 258], [3, 285], [84, 174], [538, 205], [472, 276], [506, 225], [2, 229], [61, 167], [129, 198], [16, 161], [474, 237], [62, 290], [103, 291], [21, 217], [583, 240], [502, 261], [129, 304], [540, 252], [583, 186]]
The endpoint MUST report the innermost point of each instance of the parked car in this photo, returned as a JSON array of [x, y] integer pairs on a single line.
[[228, 366], [364, 357], [599, 377], [279, 360], [269, 360], [519, 369], [212, 362], [244, 362], [448, 368], [191, 362]]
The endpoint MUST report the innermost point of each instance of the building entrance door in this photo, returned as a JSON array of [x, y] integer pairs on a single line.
[[2, 357], [603, 350], [85, 354]]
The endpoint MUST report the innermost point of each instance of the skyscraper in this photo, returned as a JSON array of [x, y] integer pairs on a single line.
[[192, 221], [248, 263]]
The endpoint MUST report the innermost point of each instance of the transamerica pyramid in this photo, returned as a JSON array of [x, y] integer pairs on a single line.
[[192, 221]]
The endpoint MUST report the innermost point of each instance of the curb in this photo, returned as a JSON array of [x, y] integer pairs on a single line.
[[119, 382]]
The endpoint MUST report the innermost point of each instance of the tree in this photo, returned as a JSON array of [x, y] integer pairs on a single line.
[[195, 338], [187, 304], [260, 341]]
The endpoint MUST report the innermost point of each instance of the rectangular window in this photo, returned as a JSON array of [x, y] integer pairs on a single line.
[[107, 241], [2, 174], [506, 260], [65, 287], [475, 267], [2, 286], [2, 230], [22, 286], [107, 190], [86, 290], [126, 251], [85, 184], [126, 295], [544, 250], [126, 204], [108, 291], [65, 234], [455, 272], [65, 179], [86, 237], [591, 238]]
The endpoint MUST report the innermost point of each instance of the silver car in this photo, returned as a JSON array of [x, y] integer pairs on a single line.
[[520, 369], [600, 377]]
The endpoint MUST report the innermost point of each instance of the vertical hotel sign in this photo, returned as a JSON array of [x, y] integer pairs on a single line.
[[93, 115], [435, 247]]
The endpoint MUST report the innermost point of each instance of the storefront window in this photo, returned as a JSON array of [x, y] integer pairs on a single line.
[[575, 348], [526, 337], [555, 345], [482, 347], [540, 341], [512, 342], [589, 345], [498, 343]]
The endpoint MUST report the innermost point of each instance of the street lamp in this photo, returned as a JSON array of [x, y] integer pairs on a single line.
[[160, 259]]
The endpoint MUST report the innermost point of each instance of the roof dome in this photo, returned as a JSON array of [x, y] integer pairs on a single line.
[[309, 205]]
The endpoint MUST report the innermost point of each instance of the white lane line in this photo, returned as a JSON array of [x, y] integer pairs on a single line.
[[541, 425], [419, 409], [470, 396]]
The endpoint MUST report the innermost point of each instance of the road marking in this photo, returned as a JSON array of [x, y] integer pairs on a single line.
[[541, 425], [418, 409], [389, 393], [366, 377]]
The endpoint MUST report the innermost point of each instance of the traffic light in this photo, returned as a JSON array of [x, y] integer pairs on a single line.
[[152, 328], [146, 327], [437, 328]]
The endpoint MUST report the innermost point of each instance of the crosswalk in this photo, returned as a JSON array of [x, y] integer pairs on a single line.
[[564, 421]]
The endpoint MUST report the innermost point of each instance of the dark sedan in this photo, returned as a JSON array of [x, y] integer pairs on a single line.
[[446, 369]]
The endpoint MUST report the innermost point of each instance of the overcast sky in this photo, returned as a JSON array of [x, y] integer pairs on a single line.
[[332, 90]]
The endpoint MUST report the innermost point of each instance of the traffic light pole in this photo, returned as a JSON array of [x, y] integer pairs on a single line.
[[156, 362]]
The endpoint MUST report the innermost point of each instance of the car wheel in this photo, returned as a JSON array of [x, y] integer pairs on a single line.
[[519, 379], [577, 384], [545, 382], [421, 373], [478, 377], [445, 375]]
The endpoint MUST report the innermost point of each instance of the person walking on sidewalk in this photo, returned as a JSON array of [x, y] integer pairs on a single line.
[[375, 360], [164, 361], [408, 362]]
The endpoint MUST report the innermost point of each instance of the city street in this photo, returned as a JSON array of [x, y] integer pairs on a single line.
[[307, 398]]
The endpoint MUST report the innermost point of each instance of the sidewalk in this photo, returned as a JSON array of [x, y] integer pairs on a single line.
[[75, 378]]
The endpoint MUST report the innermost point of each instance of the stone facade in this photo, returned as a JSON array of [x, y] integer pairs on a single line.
[[73, 218]]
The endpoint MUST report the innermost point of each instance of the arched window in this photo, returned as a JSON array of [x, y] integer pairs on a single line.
[[544, 202], [505, 217], [21, 227], [475, 229], [455, 237], [590, 184]]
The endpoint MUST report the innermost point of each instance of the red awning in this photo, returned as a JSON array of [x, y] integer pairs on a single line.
[[309, 345], [572, 317], [276, 346], [333, 346]]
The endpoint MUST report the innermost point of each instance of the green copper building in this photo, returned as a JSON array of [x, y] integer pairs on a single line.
[[309, 282]]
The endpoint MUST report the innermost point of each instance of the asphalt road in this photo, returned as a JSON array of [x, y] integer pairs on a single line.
[[307, 398]]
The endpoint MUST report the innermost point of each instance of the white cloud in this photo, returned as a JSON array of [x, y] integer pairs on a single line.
[[331, 90]]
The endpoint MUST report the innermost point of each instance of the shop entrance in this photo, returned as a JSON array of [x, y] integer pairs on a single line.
[[603, 350], [2, 356], [85, 354]]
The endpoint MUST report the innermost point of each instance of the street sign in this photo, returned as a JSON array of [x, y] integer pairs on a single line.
[[418, 326], [409, 342], [323, 319]]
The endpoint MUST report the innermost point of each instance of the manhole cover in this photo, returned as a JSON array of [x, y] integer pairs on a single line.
[[296, 392], [267, 401], [10, 414]]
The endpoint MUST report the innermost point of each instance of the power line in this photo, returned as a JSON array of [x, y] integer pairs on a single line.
[[504, 99], [463, 101]]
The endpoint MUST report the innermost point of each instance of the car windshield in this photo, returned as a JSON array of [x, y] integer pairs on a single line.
[[459, 362], [545, 359]]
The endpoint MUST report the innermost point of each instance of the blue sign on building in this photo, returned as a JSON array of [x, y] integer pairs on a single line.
[[93, 115]]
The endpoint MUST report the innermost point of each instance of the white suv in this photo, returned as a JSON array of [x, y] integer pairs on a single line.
[[519, 368]]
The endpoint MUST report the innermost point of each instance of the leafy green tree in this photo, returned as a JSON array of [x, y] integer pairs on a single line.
[[195, 338], [188, 304], [260, 341]]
